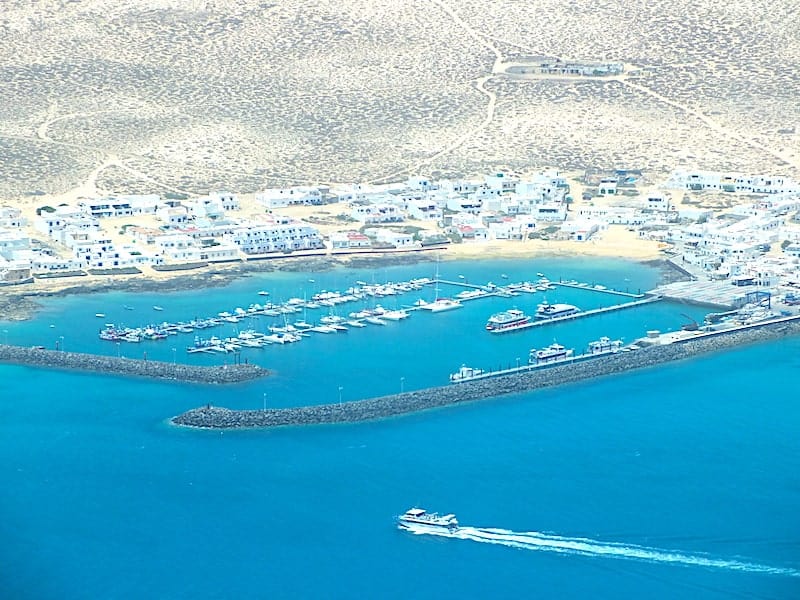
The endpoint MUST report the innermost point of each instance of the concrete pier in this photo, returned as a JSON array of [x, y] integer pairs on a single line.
[[75, 361], [409, 402]]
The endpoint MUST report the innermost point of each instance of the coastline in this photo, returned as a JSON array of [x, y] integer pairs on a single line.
[[20, 302]]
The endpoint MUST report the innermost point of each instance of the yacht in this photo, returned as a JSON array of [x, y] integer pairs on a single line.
[[442, 304], [507, 321], [553, 353], [554, 311], [395, 315], [420, 517]]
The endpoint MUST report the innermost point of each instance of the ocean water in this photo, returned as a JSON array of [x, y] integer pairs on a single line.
[[677, 481]]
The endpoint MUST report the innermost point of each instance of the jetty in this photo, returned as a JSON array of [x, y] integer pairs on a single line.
[[130, 367], [409, 402]]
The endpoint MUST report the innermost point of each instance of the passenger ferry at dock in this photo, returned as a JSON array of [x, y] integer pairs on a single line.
[[508, 320], [604, 345], [553, 353], [420, 517], [553, 311]]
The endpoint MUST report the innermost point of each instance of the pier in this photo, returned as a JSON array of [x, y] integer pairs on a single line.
[[587, 313], [75, 361], [514, 383]]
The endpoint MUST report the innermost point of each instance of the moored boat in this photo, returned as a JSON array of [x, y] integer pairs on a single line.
[[465, 373], [553, 353], [442, 304], [604, 345], [507, 320], [420, 517], [554, 311]]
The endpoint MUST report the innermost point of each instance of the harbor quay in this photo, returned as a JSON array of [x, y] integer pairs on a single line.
[[129, 367], [210, 417]]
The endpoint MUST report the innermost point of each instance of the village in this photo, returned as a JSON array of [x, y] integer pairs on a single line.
[[743, 229]]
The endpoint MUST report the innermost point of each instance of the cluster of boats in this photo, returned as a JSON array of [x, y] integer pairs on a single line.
[[512, 319], [539, 357]]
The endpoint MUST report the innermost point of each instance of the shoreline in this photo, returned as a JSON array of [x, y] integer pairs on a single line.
[[19, 302]]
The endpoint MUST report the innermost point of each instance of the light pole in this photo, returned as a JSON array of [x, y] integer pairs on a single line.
[[340, 394], [118, 350], [61, 337], [402, 382], [518, 362], [174, 357], [264, 398]]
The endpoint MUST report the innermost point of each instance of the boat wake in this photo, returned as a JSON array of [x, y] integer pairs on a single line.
[[595, 548]]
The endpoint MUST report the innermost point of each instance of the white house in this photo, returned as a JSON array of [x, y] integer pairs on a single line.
[[173, 216], [424, 210], [12, 243], [580, 230], [376, 213], [550, 212], [226, 200], [607, 186], [345, 240], [464, 205], [11, 217], [395, 238], [293, 196]]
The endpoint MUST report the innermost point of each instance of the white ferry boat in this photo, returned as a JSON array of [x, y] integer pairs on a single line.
[[604, 345], [507, 321], [554, 311], [553, 353], [421, 517], [465, 373]]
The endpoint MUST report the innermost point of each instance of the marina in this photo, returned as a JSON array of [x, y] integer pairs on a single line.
[[286, 326]]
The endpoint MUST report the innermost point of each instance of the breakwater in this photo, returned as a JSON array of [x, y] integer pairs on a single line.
[[210, 417], [75, 361]]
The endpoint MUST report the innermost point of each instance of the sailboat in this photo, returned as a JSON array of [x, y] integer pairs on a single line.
[[440, 304]]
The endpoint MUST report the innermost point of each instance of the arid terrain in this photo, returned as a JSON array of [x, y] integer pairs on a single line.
[[113, 96]]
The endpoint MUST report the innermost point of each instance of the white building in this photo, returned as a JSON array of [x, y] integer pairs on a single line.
[[293, 196], [12, 218], [12, 243], [424, 210], [173, 216], [580, 230], [395, 238], [550, 212], [275, 237], [376, 213], [731, 182], [460, 204], [345, 240]]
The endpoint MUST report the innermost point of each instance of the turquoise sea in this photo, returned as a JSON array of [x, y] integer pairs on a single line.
[[674, 482]]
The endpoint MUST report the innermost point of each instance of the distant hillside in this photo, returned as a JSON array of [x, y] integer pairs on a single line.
[[192, 95]]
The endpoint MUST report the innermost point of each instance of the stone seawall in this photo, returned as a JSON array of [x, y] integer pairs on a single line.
[[409, 402], [54, 359]]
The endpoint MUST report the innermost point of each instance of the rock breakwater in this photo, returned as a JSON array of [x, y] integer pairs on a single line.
[[54, 359], [210, 417]]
